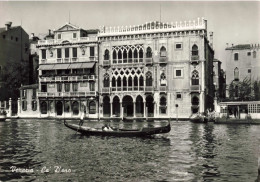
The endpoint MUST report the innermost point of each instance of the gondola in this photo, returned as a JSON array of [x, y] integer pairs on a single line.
[[119, 132], [198, 118]]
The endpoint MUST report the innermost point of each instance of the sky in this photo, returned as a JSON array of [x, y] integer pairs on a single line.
[[233, 22]]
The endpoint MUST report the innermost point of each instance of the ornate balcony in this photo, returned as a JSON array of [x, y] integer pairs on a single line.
[[105, 90], [195, 58], [149, 89], [195, 88], [106, 63], [68, 78], [148, 60], [67, 94], [163, 89], [163, 60]]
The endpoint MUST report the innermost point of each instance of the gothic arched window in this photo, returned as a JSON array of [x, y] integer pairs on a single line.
[[149, 52], [195, 78], [149, 79], [195, 51], [163, 51], [106, 80], [106, 55], [236, 74]]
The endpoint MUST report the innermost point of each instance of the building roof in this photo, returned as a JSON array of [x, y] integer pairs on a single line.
[[3, 29], [29, 86], [239, 47]]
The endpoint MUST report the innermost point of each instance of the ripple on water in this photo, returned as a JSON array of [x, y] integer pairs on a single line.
[[190, 152]]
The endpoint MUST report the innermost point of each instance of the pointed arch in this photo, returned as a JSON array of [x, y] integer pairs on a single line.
[[106, 55], [149, 52], [163, 51], [195, 50], [106, 80], [236, 74], [195, 78], [149, 79]]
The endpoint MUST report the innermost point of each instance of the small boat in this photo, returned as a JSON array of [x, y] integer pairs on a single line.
[[2, 114], [198, 118], [119, 132]]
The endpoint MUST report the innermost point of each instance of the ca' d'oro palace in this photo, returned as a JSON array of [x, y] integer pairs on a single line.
[[152, 70]]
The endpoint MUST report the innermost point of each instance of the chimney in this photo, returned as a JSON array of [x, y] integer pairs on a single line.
[[32, 35], [49, 31], [211, 39], [8, 25]]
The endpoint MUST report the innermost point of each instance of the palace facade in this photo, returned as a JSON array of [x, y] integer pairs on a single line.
[[156, 70], [68, 79]]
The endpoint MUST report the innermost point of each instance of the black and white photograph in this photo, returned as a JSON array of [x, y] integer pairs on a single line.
[[130, 91]]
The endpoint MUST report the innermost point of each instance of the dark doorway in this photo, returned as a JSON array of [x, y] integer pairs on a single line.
[[59, 108], [150, 106], [128, 106], [116, 106], [106, 106]]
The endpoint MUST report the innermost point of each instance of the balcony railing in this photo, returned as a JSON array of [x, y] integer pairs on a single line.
[[195, 88], [195, 58], [68, 78], [106, 63], [67, 94], [59, 41], [106, 90], [128, 89], [149, 89], [148, 60], [163, 60], [163, 88], [128, 61], [67, 60]]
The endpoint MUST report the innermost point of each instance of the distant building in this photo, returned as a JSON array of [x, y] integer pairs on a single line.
[[33, 60], [28, 104], [68, 78], [242, 62], [14, 51], [219, 80], [155, 70]]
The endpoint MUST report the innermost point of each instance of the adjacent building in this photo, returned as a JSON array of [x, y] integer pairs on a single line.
[[219, 80], [14, 60], [242, 62], [68, 78], [156, 70]]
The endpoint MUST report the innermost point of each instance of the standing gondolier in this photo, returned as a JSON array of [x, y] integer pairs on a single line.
[[82, 117]]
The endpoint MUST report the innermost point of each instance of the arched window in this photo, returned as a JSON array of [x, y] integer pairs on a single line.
[[119, 54], [195, 101], [141, 55], [236, 74], [75, 108], [106, 80], [141, 81], [125, 56], [124, 83], [149, 52], [34, 105], [135, 56], [119, 82], [67, 106], [130, 56], [113, 82], [44, 107], [254, 54], [135, 83], [92, 107], [106, 55], [195, 78], [195, 51], [163, 51], [114, 57], [24, 105], [149, 79], [163, 79], [130, 81], [163, 104]]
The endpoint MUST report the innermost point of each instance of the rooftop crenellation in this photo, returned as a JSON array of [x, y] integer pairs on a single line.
[[155, 26]]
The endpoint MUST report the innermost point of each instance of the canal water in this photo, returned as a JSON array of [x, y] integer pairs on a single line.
[[45, 150]]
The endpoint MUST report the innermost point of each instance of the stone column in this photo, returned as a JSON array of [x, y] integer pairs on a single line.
[[121, 110], [145, 110], [134, 108], [18, 106], [111, 109], [10, 107]]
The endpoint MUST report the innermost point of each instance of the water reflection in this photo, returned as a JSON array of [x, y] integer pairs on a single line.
[[190, 152]]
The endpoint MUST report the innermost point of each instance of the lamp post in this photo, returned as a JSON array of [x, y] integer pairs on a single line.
[[176, 105]]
